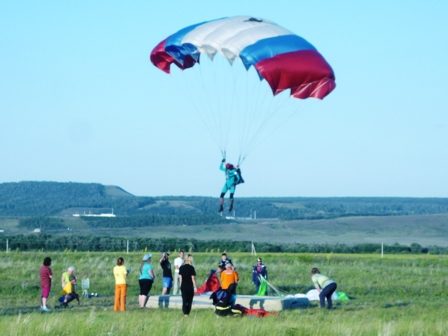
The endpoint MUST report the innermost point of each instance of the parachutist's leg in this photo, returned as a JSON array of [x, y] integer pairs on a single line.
[[231, 202], [221, 203]]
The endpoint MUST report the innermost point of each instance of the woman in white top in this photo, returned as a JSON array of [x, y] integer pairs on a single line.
[[178, 262]]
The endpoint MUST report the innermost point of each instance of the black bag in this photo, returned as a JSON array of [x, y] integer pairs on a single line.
[[241, 177]]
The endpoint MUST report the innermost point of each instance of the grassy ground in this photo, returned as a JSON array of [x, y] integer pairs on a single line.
[[425, 230], [394, 295]]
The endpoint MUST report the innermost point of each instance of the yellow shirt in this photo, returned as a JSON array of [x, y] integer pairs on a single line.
[[68, 288], [120, 275]]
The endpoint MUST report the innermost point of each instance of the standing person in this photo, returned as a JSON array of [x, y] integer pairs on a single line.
[[325, 286], [145, 280], [259, 270], [167, 278], [45, 282], [232, 179], [120, 274], [66, 276], [178, 262], [187, 277], [68, 293], [223, 262]]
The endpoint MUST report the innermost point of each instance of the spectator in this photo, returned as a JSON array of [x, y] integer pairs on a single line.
[[66, 276], [45, 282], [145, 280], [325, 286], [68, 293], [259, 270], [222, 263], [178, 262], [187, 278], [120, 274], [228, 277], [167, 278]]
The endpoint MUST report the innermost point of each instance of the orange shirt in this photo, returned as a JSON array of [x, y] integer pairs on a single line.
[[228, 277]]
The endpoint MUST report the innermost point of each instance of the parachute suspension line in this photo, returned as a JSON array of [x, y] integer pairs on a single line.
[[212, 110], [233, 101], [288, 117], [240, 100], [245, 123], [191, 101], [259, 108], [207, 100], [264, 122], [260, 116], [241, 160], [194, 79], [216, 102], [227, 71]]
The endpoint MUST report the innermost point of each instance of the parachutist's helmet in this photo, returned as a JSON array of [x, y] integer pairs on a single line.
[[229, 166]]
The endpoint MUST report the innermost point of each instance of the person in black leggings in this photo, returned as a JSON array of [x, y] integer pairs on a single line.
[[187, 278]]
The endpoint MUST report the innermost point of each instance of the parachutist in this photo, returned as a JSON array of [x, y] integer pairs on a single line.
[[232, 179]]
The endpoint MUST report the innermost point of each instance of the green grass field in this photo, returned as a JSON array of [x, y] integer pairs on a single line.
[[425, 230], [394, 295]]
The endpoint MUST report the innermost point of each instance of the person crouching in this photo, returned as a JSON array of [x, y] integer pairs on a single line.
[[68, 293]]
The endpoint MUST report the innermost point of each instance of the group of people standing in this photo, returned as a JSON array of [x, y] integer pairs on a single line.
[[184, 278]]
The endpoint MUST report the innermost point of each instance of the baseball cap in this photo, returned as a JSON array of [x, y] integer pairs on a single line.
[[147, 256]]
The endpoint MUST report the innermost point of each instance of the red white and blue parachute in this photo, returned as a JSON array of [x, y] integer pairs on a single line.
[[283, 59]]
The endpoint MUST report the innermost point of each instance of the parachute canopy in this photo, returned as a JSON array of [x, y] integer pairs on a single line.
[[283, 59]]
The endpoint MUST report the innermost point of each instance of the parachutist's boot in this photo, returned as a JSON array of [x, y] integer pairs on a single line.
[[221, 209], [231, 206]]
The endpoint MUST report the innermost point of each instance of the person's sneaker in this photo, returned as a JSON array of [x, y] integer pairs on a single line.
[[45, 309]]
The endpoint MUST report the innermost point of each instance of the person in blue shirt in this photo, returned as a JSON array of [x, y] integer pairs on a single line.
[[259, 270], [232, 179], [145, 280]]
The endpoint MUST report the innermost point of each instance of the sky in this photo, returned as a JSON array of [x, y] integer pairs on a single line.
[[81, 102]]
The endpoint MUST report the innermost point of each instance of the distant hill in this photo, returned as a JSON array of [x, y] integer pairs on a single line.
[[54, 198], [30, 198]]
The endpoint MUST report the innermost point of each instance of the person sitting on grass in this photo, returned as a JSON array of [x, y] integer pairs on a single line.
[[68, 293]]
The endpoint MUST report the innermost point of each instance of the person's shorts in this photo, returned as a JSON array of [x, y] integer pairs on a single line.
[[167, 282], [46, 292], [145, 286]]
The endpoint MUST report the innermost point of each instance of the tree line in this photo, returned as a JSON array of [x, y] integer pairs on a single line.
[[153, 220], [37, 242]]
